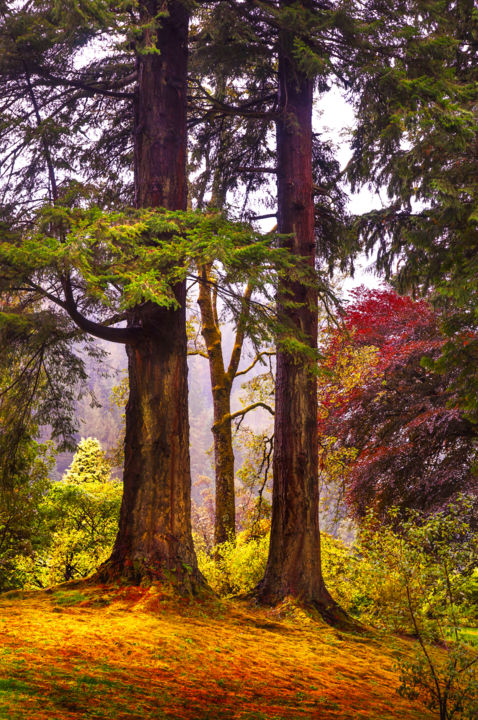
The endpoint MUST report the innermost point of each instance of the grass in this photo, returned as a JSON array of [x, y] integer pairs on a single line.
[[131, 654], [469, 635]]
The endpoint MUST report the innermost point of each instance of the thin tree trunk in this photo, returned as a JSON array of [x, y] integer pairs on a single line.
[[221, 384], [154, 540], [225, 515], [293, 567]]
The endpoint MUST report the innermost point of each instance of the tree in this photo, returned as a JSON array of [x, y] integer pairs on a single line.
[[40, 370], [22, 532], [293, 566], [154, 536], [416, 80], [413, 447], [235, 101], [222, 379], [426, 564], [230, 151], [308, 40], [81, 512], [155, 530], [95, 268]]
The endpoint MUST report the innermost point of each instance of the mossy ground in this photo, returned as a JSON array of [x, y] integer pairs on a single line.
[[132, 653]]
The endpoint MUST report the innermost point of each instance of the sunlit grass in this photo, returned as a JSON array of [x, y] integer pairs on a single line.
[[469, 635], [132, 653]]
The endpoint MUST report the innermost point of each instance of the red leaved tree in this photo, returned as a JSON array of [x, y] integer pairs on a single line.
[[414, 446]]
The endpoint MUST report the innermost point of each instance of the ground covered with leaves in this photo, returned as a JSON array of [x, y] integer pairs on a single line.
[[127, 653]]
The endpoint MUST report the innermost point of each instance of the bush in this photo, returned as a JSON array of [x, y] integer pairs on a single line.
[[417, 575], [81, 513], [234, 567], [22, 531]]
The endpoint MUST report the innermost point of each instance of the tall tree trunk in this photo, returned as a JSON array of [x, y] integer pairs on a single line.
[[154, 539], [293, 567], [221, 384]]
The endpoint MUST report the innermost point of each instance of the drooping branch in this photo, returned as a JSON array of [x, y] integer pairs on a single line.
[[243, 169], [220, 109], [264, 469], [46, 149], [54, 81], [46, 294], [23, 372], [104, 332], [226, 293], [128, 335]]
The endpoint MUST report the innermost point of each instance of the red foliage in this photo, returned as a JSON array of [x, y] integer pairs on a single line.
[[415, 450]]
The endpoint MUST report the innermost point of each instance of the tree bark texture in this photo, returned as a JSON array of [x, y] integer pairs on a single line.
[[160, 111], [154, 541], [221, 384], [293, 567]]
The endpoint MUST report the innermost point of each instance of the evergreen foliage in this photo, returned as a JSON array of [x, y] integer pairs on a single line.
[[22, 532], [416, 98]]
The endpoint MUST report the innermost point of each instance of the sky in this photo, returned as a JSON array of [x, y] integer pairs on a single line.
[[334, 118]]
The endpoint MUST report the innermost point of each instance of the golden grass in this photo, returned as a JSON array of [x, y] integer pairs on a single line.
[[91, 652]]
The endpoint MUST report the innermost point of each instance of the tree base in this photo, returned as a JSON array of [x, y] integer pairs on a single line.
[[324, 607], [182, 580]]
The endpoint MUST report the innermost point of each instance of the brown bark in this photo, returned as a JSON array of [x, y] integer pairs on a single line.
[[160, 132], [154, 541], [293, 567], [221, 384]]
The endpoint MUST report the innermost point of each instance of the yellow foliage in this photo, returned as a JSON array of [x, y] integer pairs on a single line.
[[235, 567]]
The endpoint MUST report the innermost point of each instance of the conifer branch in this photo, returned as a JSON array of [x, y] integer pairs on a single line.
[[118, 335]]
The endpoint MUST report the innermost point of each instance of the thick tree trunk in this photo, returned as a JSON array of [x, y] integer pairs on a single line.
[[221, 383], [293, 567], [154, 541], [161, 132]]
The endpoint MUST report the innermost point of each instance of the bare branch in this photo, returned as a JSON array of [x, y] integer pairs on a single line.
[[257, 169], [257, 359], [240, 334], [241, 413]]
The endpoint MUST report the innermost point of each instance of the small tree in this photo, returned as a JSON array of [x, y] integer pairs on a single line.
[[413, 446], [82, 514], [435, 559], [22, 532]]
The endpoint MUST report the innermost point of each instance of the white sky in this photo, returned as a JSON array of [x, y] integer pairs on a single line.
[[334, 118]]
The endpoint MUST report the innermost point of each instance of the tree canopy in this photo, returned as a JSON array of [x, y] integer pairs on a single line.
[[414, 446]]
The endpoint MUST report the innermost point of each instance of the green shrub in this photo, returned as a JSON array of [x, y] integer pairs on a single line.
[[81, 513], [234, 567]]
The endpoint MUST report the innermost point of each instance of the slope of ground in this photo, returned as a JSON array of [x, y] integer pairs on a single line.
[[127, 654]]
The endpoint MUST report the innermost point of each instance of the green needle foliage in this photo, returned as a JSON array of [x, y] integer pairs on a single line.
[[417, 80], [119, 260]]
